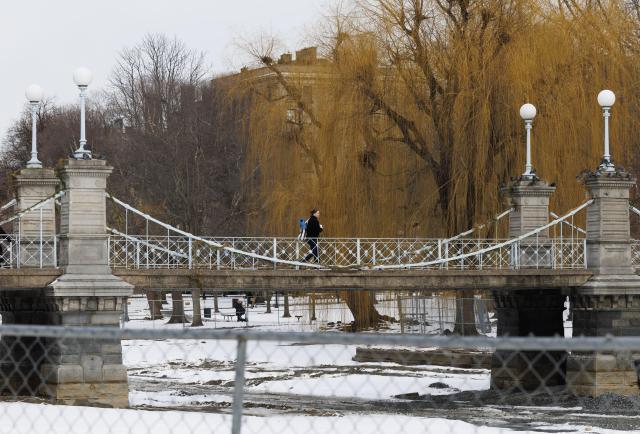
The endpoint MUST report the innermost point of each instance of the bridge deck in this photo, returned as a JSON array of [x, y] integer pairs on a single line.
[[29, 278]]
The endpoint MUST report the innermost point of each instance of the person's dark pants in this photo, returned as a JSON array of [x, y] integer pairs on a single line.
[[313, 244]]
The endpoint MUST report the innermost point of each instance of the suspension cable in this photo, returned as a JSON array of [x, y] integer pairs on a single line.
[[491, 248]]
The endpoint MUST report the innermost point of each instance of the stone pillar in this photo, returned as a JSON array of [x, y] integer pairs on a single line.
[[33, 186], [529, 197], [609, 303], [87, 294], [529, 311], [17, 373], [608, 228], [524, 313]]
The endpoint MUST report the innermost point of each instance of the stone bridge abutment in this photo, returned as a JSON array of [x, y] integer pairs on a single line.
[[85, 294]]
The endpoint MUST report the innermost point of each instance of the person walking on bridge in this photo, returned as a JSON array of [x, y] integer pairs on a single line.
[[313, 232]]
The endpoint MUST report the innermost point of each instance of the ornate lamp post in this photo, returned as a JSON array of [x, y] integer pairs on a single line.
[[528, 113], [606, 99], [82, 77], [34, 96]]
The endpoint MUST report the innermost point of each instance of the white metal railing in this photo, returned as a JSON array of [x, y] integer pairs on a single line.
[[153, 252], [536, 237], [33, 245], [18, 251], [180, 249], [635, 253]]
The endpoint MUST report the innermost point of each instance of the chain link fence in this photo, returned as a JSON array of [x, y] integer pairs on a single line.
[[244, 380]]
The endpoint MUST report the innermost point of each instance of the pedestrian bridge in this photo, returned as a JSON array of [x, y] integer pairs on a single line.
[[553, 255]]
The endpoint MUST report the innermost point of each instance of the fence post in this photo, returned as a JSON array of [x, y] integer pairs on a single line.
[[18, 248], [275, 252], [40, 237], [190, 252], [358, 251], [233, 255], [537, 252], [137, 254], [238, 385], [126, 240], [446, 255]]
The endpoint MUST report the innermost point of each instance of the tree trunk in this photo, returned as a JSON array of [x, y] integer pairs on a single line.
[[216, 309], [361, 305], [268, 301], [400, 316], [177, 313], [465, 314], [286, 313], [154, 301], [197, 314], [312, 306]]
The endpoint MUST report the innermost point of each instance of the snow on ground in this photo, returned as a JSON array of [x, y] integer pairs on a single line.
[[310, 388], [22, 418], [322, 370]]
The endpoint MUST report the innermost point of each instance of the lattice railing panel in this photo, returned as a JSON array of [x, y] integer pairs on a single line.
[[181, 252]]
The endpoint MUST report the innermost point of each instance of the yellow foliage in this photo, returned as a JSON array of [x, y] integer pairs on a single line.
[[367, 183]]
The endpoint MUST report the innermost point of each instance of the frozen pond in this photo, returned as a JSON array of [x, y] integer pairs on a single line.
[[319, 388]]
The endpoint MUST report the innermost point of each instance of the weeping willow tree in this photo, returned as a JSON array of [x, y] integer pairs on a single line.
[[410, 124]]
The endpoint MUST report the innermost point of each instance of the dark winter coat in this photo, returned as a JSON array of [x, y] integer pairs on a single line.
[[313, 227]]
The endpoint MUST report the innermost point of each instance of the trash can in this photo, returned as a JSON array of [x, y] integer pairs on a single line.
[[207, 312]]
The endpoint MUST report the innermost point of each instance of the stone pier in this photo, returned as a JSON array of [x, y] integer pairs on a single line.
[[528, 311], [609, 304], [27, 306], [87, 294]]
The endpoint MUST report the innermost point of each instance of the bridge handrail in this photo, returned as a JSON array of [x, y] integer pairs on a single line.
[[208, 242], [217, 238], [146, 243], [497, 218], [33, 207], [488, 249], [634, 209]]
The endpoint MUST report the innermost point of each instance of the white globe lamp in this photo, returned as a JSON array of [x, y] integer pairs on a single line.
[[606, 99], [34, 93], [82, 77], [528, 113]]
